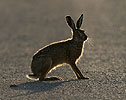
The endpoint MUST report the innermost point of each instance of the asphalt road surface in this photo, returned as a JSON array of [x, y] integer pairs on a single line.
[[27, 25]]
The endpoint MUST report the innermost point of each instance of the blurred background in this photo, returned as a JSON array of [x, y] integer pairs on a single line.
[[28, 25]]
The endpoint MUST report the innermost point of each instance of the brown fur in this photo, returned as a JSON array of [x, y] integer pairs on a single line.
[[67, 51]]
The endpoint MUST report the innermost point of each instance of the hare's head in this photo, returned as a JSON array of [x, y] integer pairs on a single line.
[[78, 34]]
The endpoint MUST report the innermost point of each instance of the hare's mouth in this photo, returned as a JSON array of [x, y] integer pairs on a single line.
[[86, 39]]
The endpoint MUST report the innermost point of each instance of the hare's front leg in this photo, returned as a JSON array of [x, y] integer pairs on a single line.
[[77, 71]]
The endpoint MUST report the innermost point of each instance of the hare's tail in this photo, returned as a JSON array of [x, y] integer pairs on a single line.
[[32, 77]]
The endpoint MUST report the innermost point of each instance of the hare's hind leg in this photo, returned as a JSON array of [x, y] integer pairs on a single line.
[[40, 66], [46, 67], [46, 63], [52, 78], [36, 67]]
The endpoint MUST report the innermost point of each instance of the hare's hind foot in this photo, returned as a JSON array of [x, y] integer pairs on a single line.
[[53, 78]]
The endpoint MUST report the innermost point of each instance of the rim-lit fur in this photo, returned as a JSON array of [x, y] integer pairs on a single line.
[[67, 51]]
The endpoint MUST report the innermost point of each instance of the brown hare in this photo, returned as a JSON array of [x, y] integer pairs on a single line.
[[67, 51]]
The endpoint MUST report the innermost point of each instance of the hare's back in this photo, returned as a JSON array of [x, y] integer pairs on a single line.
[[56, 50]]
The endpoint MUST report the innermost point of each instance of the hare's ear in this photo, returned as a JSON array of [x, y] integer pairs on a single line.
[[70, 22], [79, 21]]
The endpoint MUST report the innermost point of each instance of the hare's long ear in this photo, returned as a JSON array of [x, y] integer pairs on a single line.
[[70, 22], [79, 21]]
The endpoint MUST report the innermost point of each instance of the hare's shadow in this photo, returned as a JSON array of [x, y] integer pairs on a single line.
[[37, 86]]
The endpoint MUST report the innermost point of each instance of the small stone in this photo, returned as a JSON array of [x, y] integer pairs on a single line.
[[13, 85]]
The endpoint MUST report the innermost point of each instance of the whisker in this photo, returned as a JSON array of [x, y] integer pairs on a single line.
[[91, 41]]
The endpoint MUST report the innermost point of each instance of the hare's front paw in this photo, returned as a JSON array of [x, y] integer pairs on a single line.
[[85, 78]]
